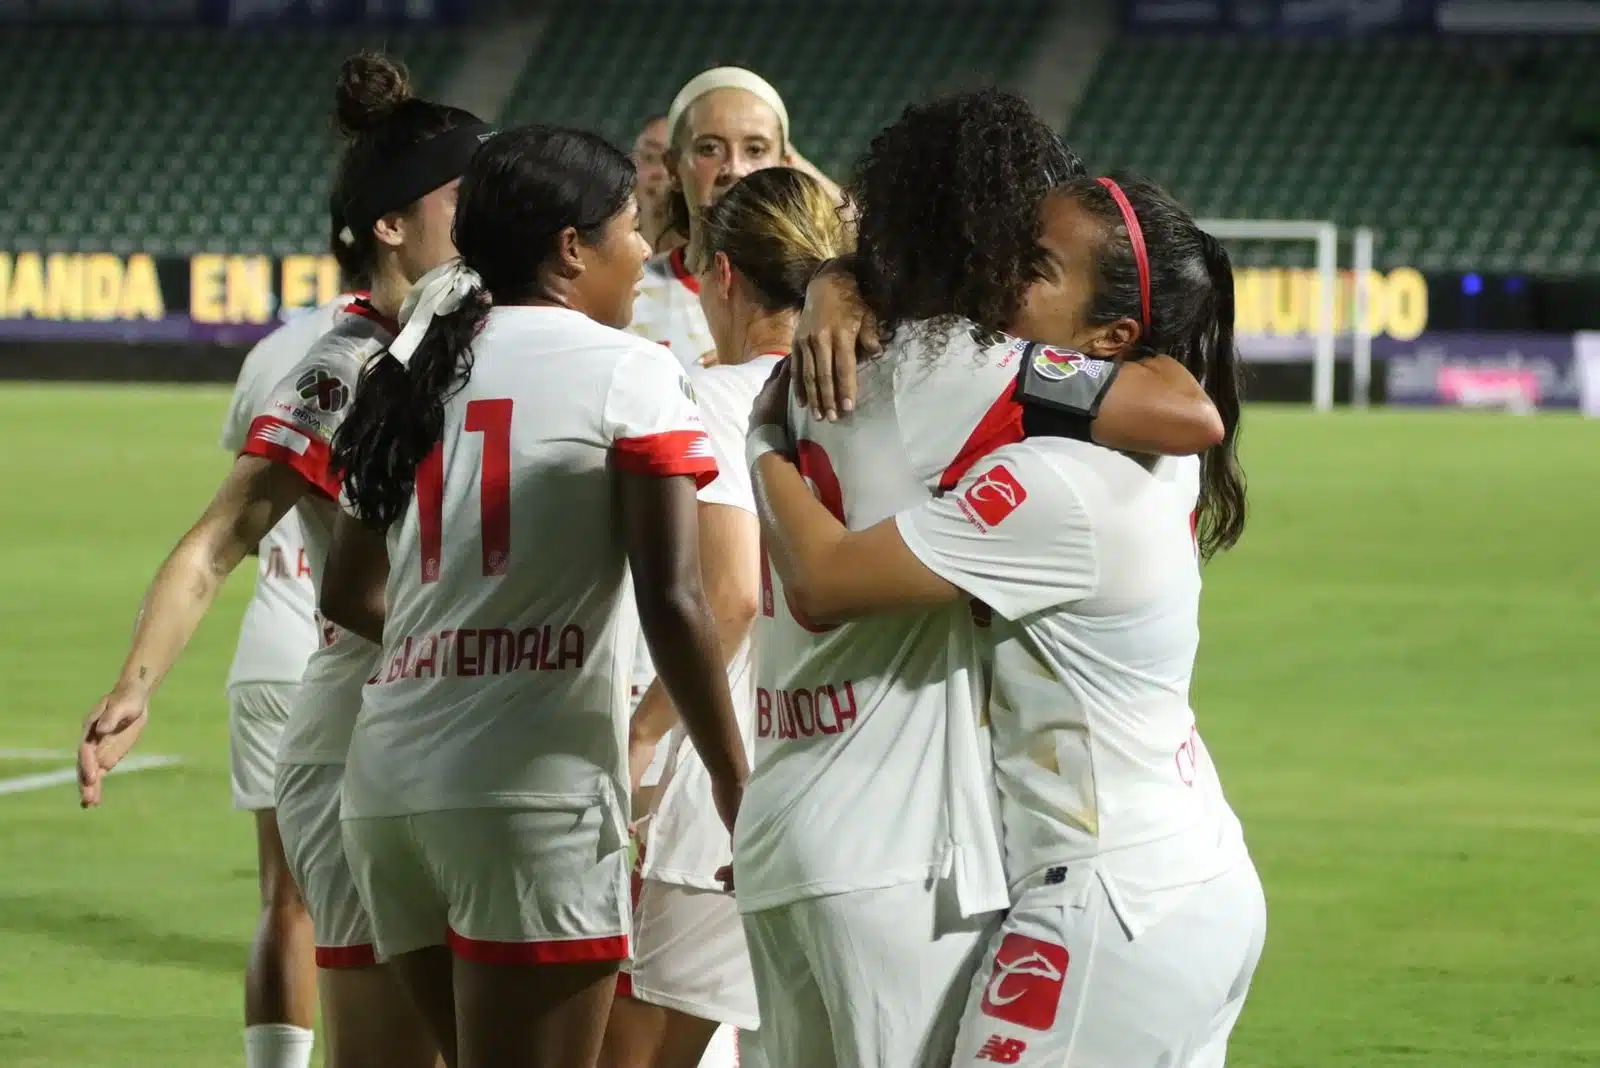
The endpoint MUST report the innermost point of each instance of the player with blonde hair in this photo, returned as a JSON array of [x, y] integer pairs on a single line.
[[760, 244]]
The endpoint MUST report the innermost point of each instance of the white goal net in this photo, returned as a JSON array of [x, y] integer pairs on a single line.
[[1328, 320]]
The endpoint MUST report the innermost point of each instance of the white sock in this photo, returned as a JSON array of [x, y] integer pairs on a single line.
[[277, 1046]]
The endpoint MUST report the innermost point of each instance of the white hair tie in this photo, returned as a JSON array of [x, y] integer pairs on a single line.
[[439, 292]]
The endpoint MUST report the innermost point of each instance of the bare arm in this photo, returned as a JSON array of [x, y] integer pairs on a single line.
[[1154, 406], [800, 163], [660, 529], [251, 500], [730, 567], [834, 573], [354, 579], [255, 495]]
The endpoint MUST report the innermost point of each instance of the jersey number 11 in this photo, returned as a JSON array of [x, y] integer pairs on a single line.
[[492, 419]]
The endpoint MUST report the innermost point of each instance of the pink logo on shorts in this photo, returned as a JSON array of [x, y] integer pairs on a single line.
[[1025, 986]]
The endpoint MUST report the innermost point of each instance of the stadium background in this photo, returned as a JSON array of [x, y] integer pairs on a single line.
[[1397, 674]]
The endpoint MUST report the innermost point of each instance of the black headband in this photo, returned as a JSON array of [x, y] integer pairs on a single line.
[[419, 171]]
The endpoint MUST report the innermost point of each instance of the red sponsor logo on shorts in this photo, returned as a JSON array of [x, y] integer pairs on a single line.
[[1025, 986], [995, 495], [1002, 1050]]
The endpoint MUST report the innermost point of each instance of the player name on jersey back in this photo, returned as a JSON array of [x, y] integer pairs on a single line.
[[862, 719]]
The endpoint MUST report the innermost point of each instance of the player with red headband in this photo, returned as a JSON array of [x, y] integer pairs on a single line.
[[1136, 916], [866, 859]]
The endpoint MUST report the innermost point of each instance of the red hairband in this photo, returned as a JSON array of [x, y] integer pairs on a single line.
[[1136, 239]]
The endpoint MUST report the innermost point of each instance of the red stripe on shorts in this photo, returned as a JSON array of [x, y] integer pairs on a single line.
[[565, 951], [346, 956]]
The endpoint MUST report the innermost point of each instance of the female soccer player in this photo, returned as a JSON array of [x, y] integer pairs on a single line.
[[761, 243], [867, 865], [724, 124], [278, 633], [522, 456], [1137, 917], [394, 203], [649, 159]]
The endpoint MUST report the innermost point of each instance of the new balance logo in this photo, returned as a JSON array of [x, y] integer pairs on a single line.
[[282, 435], [1025, 986], [1002, 1050], [700, 449]]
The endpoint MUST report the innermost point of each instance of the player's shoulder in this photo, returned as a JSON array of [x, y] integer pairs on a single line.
[[273, 355]]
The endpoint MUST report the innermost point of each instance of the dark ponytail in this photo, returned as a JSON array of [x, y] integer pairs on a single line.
[[523, 189], [398, 415], [1220, 519], [1191, 319]]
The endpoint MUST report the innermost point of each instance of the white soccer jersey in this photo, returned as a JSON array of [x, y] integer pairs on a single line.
[[296, 428], [1089, 563], [866, 770], [686, 841], [667, 310], [511, 621], [279, 629]]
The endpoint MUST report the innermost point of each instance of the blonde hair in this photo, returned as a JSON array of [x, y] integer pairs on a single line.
[[776, 226]]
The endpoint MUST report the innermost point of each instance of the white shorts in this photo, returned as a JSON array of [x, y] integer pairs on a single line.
[[689, 955], [497, 885], [870, 979], [257, 712], [308, 819], [1063, 984]]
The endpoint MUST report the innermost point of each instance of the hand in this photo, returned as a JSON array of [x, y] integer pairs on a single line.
[[725, 877], [108, 734], [771, 407], [834, 328], [727, 793], [709, 358]]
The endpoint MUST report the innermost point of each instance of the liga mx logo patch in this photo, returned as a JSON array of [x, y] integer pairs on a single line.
[[322, 389], [1058, 365]]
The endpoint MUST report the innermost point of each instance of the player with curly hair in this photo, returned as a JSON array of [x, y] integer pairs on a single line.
[[866, 859], [1135, 914]]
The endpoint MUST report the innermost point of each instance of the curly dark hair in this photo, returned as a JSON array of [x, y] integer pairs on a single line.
[[948, 199]]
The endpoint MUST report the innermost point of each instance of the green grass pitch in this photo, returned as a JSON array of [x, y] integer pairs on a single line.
[[1398, 679]]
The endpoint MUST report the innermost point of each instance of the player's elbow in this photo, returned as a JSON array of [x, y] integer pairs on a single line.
[[346, 606], [819, 600], [1206, 429], [671, 605]]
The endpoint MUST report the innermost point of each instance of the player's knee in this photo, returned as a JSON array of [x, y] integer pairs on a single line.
[[280, 896]]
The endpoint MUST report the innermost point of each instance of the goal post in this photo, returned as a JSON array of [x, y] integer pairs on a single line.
[[1325, 237]]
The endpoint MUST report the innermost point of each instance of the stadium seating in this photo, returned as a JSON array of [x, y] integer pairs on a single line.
[[1460, 152], [845, 68], [174, 141]]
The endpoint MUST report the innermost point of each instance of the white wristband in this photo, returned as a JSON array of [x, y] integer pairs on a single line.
[[768, 437]]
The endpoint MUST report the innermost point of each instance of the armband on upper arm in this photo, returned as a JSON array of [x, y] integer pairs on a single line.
[[1061, 391]]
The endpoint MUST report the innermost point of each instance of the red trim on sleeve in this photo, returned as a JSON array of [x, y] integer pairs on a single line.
[[624, 984], [346, 956], [680, 271], [1000, 425], [552, 951], [284, 443], [672, 452]]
